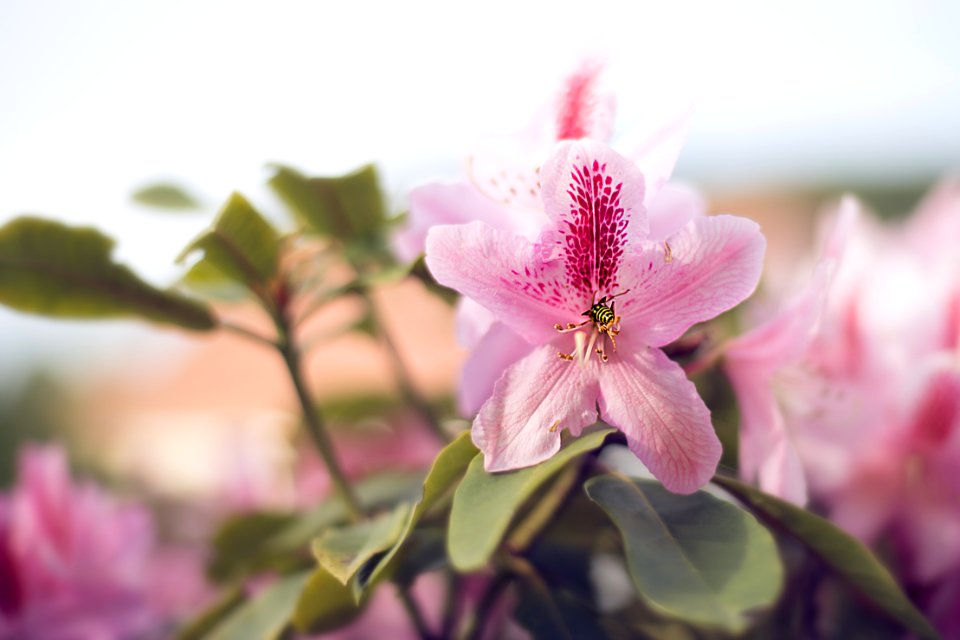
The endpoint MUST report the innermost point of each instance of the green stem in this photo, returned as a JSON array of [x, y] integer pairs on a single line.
[[315, 424], [543, 511], [450, 604], [416, 616], [410, 394], [475, 625]]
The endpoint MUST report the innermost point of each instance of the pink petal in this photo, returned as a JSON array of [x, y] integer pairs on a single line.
[[436, 204], [583, 111], [672, 209], [532, 403], [473, 320], [715, 264], [657, 153], [504, 273], [648, 397], [499, 348], [506, 171], [595, 198]]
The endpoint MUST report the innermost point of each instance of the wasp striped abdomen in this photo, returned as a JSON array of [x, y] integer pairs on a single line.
[[601, 313]]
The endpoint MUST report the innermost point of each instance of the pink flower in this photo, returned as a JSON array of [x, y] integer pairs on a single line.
[[503, 190], [596, 258], [73, 563], [852, 392], [771, 368]]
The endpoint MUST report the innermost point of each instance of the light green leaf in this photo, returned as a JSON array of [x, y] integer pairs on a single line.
[[344, 550], [206, 280], [846, 556], [53, 269], [350, 207], [324, 604], [267, 615], [695, 557], [241, 244], [485, 503], [207, 621], [165, 196], [448, 466]]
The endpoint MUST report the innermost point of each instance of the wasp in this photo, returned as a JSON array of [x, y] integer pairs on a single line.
[[605, 320]]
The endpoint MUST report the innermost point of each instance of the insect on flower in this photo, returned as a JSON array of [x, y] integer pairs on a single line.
[[597, 258], [605, 321]]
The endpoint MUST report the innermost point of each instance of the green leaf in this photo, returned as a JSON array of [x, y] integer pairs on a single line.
[[208, 281], [350, 207], [53, 269], [324, 604], [207, 621], [235, 544], [485, 503], [843, 554], [242, 245], [549, 613], [343, 551], [253, 542], [266, 616], [165, 196], [694, 557], [448, 466]]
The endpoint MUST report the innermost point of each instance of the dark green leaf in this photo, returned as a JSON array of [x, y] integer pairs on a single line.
[[549, 613], [449, 465], [242, 245], [236, 543], [843, 554], [324, 604], [165, 196], [266, 616], [53, 269], [694, 557], [344, 550], [350, 207], [485, 503], [216, 613]]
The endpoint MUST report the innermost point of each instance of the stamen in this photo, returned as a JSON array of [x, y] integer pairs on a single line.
[[564, 356], [553, 427], [668, 252]]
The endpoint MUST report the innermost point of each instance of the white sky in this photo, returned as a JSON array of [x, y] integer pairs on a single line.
[[99, 97]]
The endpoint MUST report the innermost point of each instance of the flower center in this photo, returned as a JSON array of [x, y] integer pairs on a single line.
[[606, 324]]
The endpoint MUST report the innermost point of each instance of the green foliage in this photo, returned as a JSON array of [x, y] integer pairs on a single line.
[[165, 196], [253, 542], [343, 551], [349, 207], [694, 557], [215, 614], [843, 554], [237, 540], [549, 613], [485, 503], [53, 269], [324, 604], [449, 465], [241, 245], [266, 616]]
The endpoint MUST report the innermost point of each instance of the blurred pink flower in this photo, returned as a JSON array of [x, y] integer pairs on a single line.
[[75, 564], [853, 391], [597, 250]]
